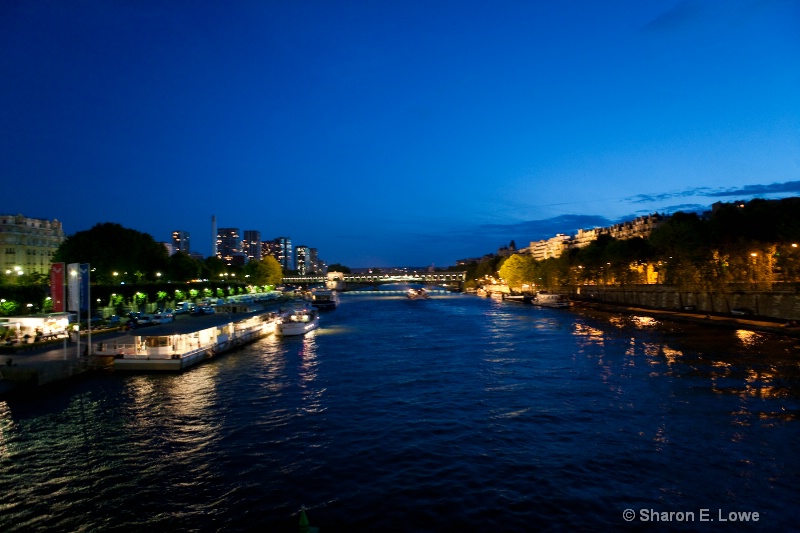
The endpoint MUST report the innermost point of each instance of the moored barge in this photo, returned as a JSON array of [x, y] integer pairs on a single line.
[[179, 345]]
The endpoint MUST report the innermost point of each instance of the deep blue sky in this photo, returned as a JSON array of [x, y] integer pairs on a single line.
[[390, 133]]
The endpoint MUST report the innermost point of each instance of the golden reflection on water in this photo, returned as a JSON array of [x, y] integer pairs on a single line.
[[141, 389], [6, 427], [589, 334], [749, 338], [671, 355], [194, 394], [644, 321], [189, 397]]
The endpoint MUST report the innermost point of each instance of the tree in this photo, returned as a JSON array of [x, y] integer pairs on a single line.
[[336, 267], [212, 267], [264, 272], [517, 270], [182, 267], [109, 248], [682, 245]]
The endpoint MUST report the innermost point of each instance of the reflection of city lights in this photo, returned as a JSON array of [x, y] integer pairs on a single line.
[[593, 334], [671, 355], [644, 321], [6, 425], [748, 338]]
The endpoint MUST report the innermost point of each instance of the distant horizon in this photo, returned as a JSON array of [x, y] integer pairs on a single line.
[[532, 225]]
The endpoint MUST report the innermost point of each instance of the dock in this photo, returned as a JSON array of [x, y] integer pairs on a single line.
[[171, 347]]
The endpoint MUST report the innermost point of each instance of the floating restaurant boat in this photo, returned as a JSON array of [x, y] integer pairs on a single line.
[[297, 321], [324, 299], [180, 345], [549, 299]]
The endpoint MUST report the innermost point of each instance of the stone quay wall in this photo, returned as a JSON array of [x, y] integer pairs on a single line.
[[782, 304]]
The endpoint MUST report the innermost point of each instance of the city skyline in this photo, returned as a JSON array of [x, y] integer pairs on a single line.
[[395, 133]]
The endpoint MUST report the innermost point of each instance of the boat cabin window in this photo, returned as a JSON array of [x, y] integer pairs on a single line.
[[155, 342]]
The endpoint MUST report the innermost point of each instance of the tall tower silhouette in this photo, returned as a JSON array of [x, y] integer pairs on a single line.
[[213, 235]]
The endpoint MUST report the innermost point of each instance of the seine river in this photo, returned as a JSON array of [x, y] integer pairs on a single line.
[[453, 414]]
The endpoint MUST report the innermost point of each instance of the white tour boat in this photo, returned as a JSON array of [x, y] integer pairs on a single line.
[[297, 321]]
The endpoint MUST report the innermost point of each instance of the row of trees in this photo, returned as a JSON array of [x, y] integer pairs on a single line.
[[753, 245], [118, 254], [129, 267]]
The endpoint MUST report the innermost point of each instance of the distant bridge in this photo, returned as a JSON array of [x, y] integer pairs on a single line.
[[450, 279]]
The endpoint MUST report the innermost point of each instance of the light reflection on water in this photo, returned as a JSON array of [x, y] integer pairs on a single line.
[[455, 413], [6, 428]]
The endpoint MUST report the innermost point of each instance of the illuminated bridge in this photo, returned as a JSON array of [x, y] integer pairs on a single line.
[[346, 281]]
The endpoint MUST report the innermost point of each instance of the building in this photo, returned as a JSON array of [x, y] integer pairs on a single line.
[[251, 244], [317, 264], [229, 244], [638, 227], [180, 242], [302, 256], [550, 248], [281, 249], [28, 244]]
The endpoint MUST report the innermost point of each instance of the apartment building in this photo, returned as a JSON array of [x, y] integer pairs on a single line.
[[28, 244]]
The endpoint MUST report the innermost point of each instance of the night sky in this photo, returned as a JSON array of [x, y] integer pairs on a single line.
[[389, 133]]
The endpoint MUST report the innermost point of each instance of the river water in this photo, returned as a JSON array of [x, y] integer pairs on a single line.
[[453, 414]]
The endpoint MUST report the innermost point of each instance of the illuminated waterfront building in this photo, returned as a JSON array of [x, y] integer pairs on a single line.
[[28, 244]]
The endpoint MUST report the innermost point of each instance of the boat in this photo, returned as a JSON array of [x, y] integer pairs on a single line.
[[417, 294], [297, 321], [550, 299], [324, 299], [519, 298], [177, 346]]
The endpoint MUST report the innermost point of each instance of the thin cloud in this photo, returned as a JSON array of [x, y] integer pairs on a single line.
[[788, 187], [651, 198], [530, 230], [758, 190]]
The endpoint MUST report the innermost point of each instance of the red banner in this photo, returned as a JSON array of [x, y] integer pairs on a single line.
[[57, 286]]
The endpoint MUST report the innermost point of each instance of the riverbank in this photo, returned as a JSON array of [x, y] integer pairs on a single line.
[[779, 327], [37, 365]]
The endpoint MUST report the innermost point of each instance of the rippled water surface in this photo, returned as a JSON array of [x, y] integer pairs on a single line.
[[452, 414]]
